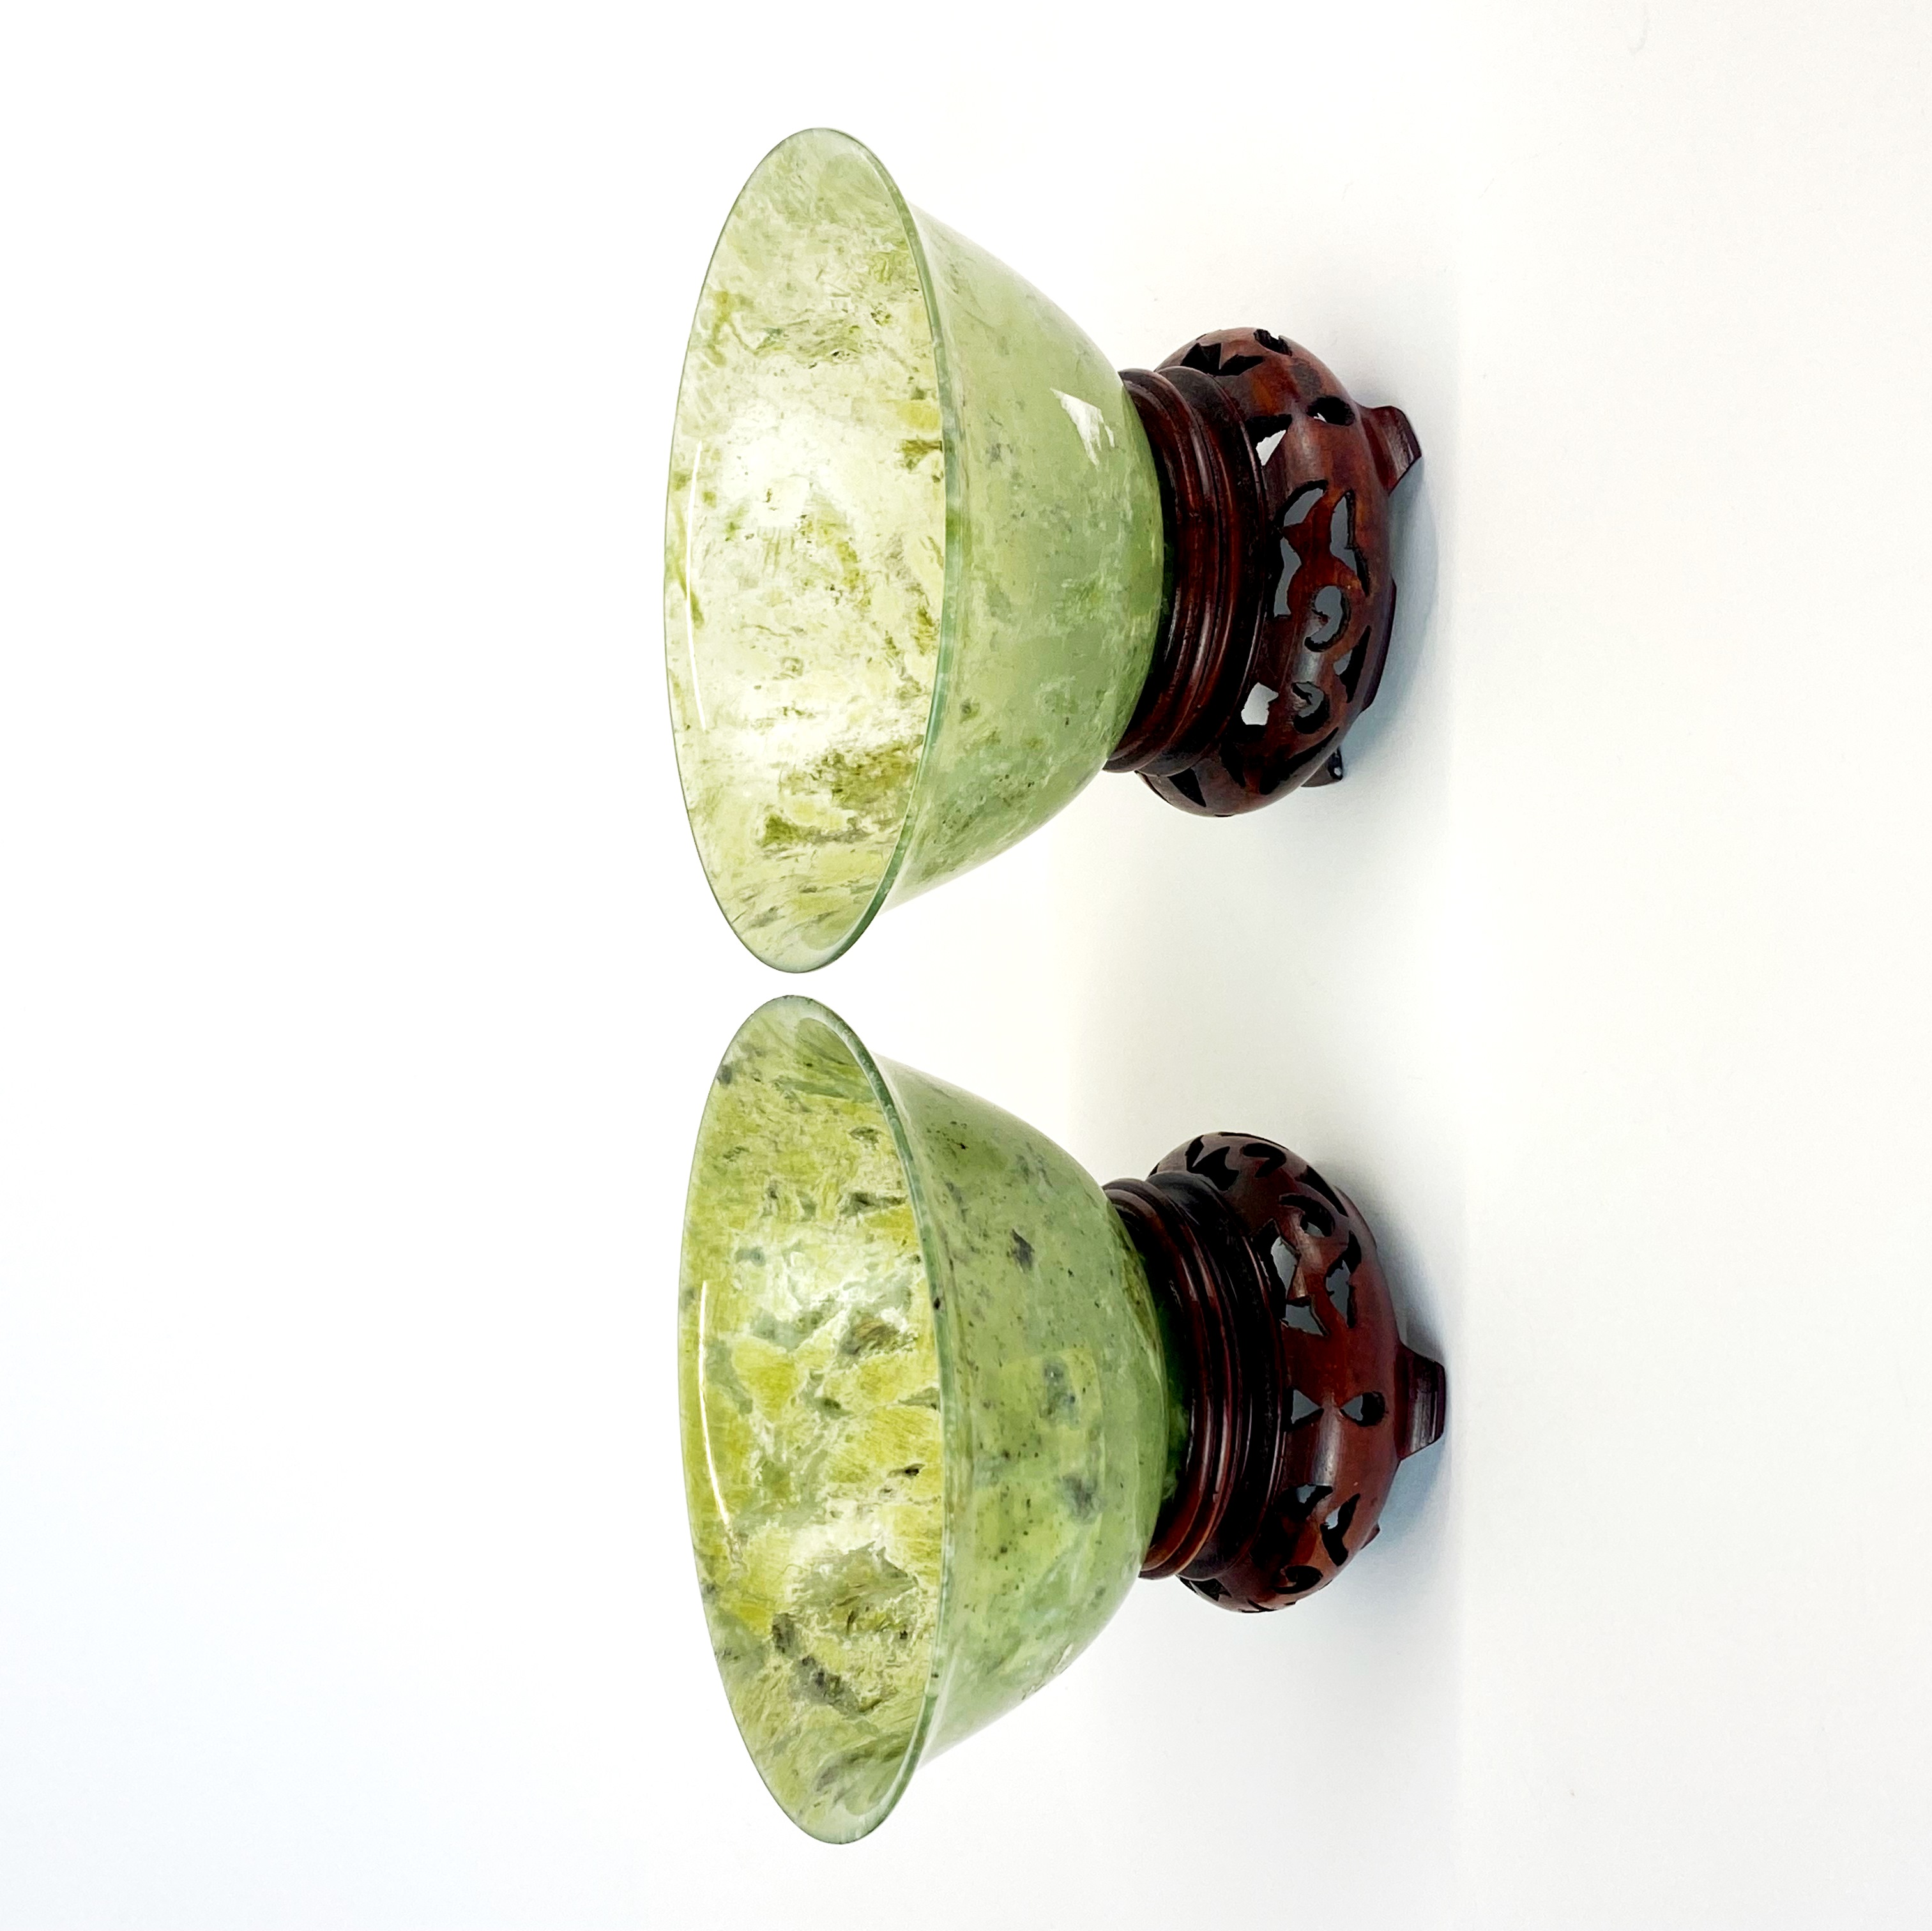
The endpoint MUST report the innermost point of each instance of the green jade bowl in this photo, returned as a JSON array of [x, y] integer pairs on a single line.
[[928, 1418], [914, 556]]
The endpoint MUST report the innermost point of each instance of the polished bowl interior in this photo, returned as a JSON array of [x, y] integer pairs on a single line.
[[806, 559]]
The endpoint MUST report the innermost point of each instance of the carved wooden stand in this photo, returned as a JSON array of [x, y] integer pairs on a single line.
[[1275, 488], [1302, 1399]]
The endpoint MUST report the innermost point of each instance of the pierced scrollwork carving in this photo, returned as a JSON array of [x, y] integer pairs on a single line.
[[1275, 485], [1302, 1399]]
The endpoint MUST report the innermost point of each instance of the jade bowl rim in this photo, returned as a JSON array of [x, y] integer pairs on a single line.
[[948, 599], [933, 1261]]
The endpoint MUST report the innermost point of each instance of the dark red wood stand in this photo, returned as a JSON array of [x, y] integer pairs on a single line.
[[1302, 1400], [1275, 488]]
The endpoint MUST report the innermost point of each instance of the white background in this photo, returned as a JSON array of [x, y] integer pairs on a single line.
[[359, 988]]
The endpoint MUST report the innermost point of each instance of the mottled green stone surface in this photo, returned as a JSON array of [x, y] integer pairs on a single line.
[[804, 549], [912, 555], [1053, 576], [1060, 1435], [811, 1410], [927, 1425]]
